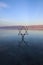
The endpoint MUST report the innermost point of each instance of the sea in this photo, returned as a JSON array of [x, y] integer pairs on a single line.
[[15, 51]]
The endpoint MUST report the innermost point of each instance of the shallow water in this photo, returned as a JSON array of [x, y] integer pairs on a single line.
[[13, 51]]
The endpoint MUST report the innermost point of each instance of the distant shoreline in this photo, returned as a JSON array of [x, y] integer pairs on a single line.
[[31, 27]]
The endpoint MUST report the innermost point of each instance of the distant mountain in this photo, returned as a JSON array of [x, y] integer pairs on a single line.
[[30, 27]]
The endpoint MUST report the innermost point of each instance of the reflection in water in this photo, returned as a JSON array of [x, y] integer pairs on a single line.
[[22, 35], [12, 54]]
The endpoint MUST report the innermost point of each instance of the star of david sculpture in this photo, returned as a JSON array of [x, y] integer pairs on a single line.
[[23, 34]]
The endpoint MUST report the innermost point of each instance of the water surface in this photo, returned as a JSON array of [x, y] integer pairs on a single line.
[[11, 53]]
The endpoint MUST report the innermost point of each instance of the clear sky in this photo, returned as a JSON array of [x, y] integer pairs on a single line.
[[21, 12]]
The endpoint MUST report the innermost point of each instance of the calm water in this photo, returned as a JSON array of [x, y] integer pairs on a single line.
[[11, 53]]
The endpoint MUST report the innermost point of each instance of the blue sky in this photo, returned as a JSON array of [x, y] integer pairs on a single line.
[[21, 12]]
